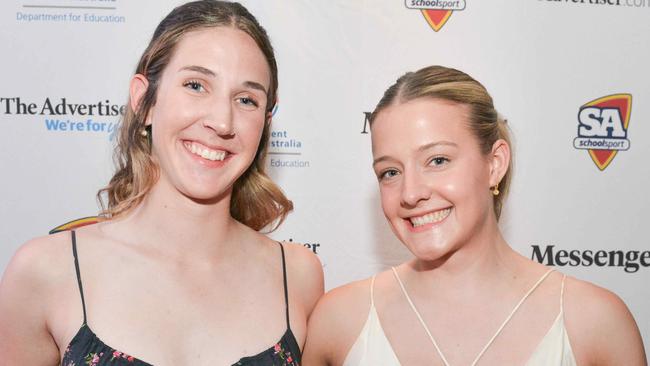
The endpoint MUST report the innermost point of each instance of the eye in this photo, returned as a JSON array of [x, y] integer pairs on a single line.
[[194, 86], [387, 174], [249, 102], [438, 161]]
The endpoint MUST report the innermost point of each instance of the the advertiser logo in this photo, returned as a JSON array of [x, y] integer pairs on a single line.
[[602, 128], [436, 12], [626, 3], [60, 115]]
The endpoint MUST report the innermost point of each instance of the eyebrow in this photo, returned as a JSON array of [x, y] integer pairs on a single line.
[[434, 144], [255, 85], [210, 73], [420, 149], [199, 69]]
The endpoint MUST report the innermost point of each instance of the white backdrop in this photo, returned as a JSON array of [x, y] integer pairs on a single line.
[[542, 60]]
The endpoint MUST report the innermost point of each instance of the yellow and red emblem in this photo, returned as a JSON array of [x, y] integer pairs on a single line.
[[436, 18], [75, 224], [602, 127]]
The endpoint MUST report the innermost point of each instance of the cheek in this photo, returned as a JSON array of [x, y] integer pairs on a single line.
[[250, 133], [466, 181], [390, 200]]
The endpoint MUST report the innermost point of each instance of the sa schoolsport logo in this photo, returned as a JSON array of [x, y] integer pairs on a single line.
[[602, 128], [436, 12]]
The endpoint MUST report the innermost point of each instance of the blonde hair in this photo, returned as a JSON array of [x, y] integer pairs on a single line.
[[452, 85], [256, 201]]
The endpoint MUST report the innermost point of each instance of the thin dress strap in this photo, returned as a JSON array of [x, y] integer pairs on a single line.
[[562, 295], [372, 291], [286, 291], [433, 341], [76, 267], [417, 313]]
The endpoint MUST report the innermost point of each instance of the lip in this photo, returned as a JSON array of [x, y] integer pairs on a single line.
[[202, 160], [428, 226]]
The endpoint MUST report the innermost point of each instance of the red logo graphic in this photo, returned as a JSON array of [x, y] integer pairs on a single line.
[[436, 18], [602, 128]]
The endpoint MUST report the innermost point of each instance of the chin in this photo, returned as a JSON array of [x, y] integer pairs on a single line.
[[203, 196], [428, 249], [430, 254]]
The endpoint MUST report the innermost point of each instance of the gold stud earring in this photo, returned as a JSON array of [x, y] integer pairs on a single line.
[[145, 132], [495, 190]]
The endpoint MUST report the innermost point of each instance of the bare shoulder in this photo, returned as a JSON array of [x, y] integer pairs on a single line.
[[305, 272], [27, 292], [35, 261], [336, 323], [601, 328], [35, 270]]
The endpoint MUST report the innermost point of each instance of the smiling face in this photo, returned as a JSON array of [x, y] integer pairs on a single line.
[[433, 179], [209, 112]]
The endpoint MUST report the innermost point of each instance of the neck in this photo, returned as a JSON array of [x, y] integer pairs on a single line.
[[170, 223], [485, 257]]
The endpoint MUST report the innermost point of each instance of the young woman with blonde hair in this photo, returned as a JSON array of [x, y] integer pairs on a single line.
[[177, 272], [443, 161]]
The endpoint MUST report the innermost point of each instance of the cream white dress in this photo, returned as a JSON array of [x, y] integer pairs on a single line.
[[372, 348]]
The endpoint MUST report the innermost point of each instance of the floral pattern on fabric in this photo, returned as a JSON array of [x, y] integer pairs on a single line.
[[118, 354], [86, 349], [92, 359], [284, 355]]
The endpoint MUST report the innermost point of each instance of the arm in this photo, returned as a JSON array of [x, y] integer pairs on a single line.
[[336, 323], [319, 335], [305, 275], [601, 328], [24, 335]]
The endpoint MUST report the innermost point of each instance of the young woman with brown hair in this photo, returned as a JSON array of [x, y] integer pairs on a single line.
[[177, 273]]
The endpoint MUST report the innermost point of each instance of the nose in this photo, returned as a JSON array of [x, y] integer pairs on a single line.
[[220, 118], [414, 189]]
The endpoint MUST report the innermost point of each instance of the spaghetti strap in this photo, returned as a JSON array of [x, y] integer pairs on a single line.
[[417, 313], [76, 267], [512, 313], [489, 343], [562, 295], [286, 291], [372, 291]]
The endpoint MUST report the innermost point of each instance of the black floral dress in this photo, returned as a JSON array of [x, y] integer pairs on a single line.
[[86, 349]]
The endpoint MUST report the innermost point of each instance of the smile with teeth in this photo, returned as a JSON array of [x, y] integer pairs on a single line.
[[205, 152], [430, 218]]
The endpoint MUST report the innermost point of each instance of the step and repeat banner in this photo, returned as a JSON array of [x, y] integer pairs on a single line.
[[571, 77]]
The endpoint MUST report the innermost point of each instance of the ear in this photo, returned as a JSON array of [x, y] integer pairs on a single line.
[[499, 161], [269, 118], [137, 88]]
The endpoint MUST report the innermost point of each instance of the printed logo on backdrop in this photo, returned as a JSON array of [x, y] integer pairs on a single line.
[[436, 12], [64, 117], [603, 126], [285, 148], [627, 3], [629, 260], [366, 122], [314, 247], [69, 11]]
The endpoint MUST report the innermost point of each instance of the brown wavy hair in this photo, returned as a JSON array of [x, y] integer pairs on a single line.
[[256, 201], [452, 85]]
